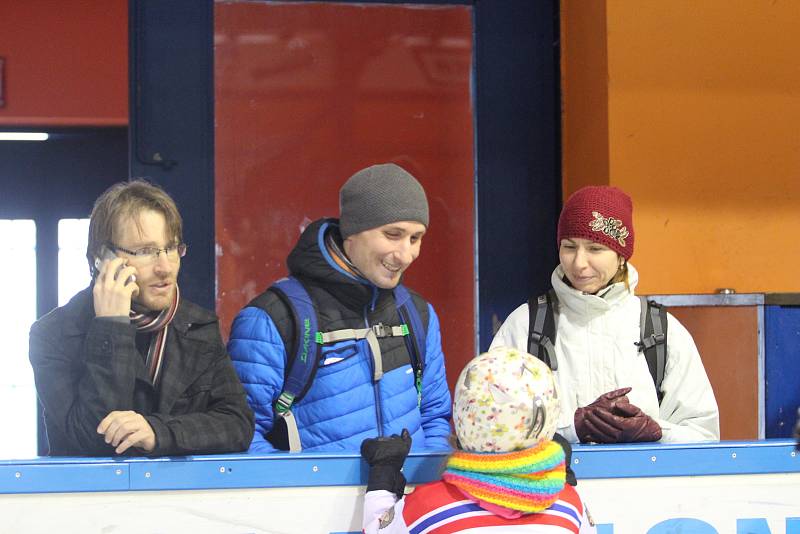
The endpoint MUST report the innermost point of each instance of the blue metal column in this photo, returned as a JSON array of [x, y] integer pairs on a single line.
[[518, 153], [782, 367], [172, 122]]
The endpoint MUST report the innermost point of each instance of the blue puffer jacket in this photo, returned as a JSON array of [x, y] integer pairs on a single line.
[[343, 405]]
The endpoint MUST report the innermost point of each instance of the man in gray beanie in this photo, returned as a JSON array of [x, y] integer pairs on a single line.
[[377, 365], [379, 195]]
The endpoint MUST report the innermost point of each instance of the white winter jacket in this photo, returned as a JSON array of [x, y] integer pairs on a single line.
[[594, 346]]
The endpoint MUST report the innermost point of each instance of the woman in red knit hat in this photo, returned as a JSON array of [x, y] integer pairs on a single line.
[[607, 391]]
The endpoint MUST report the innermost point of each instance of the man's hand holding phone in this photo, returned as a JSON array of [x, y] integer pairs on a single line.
[[114, 288]]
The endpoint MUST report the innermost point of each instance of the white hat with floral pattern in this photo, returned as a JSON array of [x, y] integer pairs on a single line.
[[505, 400]]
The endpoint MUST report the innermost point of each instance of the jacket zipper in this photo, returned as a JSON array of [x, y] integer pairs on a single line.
[[376, 388]]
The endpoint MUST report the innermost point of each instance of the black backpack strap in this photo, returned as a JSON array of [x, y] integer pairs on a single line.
[[542, 328], [417, 341], [653, 340]]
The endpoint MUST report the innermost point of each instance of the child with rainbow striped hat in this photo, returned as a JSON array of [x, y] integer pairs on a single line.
[[508, 473]]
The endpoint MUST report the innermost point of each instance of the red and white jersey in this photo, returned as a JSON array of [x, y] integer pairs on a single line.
[[439, 508]]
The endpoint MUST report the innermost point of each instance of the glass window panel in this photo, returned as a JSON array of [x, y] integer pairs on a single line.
[[73, 270], [17, 392]]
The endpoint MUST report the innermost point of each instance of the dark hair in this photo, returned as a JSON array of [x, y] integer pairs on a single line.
[[129, 199]]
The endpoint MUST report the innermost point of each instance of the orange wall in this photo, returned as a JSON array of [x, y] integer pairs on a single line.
[[703, 108], [66, 62], [584, 75]]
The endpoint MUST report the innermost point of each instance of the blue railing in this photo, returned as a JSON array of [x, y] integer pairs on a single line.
[[46, 475]]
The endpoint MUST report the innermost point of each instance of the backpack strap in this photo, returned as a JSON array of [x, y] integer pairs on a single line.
[[416, 343], [542, 328], [371, 334], [411, 324], [304, 355], [653, 340]]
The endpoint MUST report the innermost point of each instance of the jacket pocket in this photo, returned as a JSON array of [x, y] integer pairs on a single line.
[[194, 399], [338, 353]]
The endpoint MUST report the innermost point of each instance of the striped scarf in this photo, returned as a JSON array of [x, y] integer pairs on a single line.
[[155, 322], [528, 480]]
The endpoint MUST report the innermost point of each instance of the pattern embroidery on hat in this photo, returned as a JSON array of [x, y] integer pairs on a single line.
[[610, 226]]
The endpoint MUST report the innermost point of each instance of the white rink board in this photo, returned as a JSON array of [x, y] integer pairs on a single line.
[[273, 511], [638, 505], [725, 504]]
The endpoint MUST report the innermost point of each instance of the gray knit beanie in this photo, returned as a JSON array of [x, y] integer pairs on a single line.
[[379, 195]]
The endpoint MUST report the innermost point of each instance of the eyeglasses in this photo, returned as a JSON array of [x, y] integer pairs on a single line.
[[150, 254]]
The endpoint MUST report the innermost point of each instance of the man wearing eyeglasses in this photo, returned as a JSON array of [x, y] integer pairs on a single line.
[[128, 366]]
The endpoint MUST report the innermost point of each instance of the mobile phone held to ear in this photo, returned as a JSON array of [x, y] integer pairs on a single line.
[[107, 254]]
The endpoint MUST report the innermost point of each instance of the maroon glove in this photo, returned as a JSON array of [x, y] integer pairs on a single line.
[[613, 419]]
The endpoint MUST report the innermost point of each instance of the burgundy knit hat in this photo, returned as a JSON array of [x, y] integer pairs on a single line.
[[602, 214]]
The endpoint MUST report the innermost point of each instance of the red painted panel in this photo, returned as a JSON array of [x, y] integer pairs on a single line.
[[307, 94], [66, 63]]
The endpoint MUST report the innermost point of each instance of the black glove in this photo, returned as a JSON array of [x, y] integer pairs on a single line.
[[797, 430], [385, 457], [570, 474], [613, 419]]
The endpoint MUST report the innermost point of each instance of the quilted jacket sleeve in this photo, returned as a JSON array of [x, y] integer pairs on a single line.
[[79, 380], [436, 405], [259, 358]]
